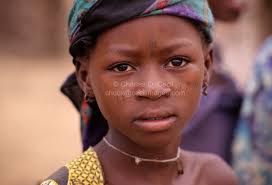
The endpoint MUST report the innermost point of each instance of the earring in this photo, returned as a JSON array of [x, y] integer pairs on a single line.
[[205, 89], [89, 99]]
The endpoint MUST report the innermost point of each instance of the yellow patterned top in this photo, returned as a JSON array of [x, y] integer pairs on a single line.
[[49, 182], [85, 170]]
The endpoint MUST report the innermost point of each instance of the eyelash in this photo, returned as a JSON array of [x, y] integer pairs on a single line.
[[183, 59], [114, 66]]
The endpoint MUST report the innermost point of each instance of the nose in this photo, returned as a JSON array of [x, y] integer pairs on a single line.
[[155, 86]]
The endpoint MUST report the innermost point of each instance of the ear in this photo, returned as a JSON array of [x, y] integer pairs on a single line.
[[82, 75], [208, 63]]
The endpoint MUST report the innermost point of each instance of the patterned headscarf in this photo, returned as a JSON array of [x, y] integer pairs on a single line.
[[89, 18]]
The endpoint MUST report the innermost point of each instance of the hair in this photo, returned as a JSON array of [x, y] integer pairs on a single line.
[[85, 45]]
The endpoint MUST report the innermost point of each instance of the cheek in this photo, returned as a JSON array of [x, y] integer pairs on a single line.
[[109, 95], [191, 89]]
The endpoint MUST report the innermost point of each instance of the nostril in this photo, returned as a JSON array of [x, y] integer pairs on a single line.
[[153, 94]]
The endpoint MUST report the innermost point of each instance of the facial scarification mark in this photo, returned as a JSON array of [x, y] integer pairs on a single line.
[[152, 47]]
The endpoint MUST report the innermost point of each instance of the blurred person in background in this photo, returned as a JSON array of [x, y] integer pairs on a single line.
[[253, 142], [213, 124], [217, 117], [227, 10]]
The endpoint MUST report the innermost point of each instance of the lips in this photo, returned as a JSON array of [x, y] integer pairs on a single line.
[[154, 118], [155, 121]]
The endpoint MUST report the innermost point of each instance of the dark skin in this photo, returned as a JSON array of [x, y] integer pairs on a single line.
[[166, 55]]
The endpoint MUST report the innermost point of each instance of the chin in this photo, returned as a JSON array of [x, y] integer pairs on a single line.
[[158, 140]]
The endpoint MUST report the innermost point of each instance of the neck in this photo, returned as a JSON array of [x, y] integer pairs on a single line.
[[139, 159], [152, 147], [145, 170]]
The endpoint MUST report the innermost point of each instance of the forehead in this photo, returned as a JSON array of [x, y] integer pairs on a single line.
[[161, 30]]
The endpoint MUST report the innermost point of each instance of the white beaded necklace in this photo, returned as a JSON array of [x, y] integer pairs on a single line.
[[139, 159]]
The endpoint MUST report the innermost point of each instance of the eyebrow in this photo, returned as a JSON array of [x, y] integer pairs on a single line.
[[127, 50], [124, 49], [175, 44]]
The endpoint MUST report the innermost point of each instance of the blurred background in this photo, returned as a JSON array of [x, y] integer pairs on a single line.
[[39, 128]]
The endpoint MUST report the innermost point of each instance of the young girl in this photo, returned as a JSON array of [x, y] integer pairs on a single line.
[[144, 64]]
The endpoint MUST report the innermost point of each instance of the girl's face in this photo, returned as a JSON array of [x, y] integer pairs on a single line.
[[147, 77]]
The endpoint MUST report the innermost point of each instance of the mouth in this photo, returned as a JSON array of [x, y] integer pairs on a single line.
[[155, 121]]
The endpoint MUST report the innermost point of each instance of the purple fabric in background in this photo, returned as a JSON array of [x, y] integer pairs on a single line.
[[212, 127]]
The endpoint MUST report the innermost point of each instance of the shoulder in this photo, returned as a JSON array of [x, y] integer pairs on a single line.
[[60, 177], [211, 168], [85, 169], [217, 171]]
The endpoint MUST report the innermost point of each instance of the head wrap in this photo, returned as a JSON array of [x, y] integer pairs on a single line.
[[89, 18]]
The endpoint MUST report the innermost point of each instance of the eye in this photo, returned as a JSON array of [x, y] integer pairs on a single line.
[[177, 62], [122, 67]]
